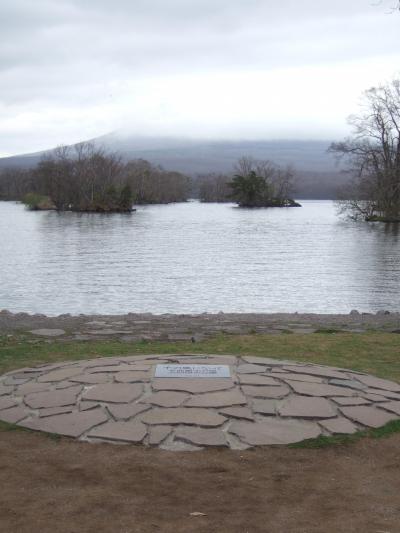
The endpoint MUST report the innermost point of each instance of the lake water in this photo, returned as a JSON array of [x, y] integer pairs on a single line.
[[192, 258]]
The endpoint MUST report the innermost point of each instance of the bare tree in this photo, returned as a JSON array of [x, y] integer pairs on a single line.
[[214, 187], [152, 184], [373, 157]]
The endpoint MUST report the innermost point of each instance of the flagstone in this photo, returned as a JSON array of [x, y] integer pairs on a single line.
[[183, 415], [157, 434], [265, 407], [250, 369], [201, 436], [393, 407], [378, 383], [101, 362], [126, 411], [377, 398], [136, 367], [255, 379], [7, 401], [28, 388], [384, 393], [166, 398], [84, 405], [56, 398], [192, 384], [351, 383], [306, 407], [131, 376], [110, 368], [50, 411], [91, 378], [114, 392], [48, 332], [368, 416], [351, 401], [274, 431], [13, 415], [5, 389], [339, 425], [265, 391], [70, 425], [268, 361], [237, 412], [315, 371], [292, 376], [217, 399], [59, 375], [12, 381], [64, 384], [133, 431], [319, 389]]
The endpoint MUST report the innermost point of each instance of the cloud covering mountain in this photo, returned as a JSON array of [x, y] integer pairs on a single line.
[[74, 69]]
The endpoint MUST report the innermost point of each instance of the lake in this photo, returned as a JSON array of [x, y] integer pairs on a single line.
[[193, 257]]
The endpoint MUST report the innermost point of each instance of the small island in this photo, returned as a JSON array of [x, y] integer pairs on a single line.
[[253, 183], [87, 179], [253, 190]]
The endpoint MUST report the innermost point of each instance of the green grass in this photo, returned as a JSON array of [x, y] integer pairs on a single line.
[[377, 353]]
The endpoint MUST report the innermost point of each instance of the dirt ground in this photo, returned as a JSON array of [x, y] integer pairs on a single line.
[[64, 486]]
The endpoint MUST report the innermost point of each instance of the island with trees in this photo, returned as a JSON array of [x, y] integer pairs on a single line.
[[253, 183], [86, 178]]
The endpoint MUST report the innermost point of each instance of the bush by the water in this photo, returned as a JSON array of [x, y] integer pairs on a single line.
[[35, 202]]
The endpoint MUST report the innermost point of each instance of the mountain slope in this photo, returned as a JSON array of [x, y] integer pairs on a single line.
[[318, 176]]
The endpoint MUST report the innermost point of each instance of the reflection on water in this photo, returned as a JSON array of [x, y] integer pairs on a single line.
[[191, 258]]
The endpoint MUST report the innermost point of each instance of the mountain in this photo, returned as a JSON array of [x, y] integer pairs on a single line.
[[317, 175]]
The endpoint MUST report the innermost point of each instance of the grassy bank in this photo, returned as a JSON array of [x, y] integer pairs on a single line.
[[373, 352]]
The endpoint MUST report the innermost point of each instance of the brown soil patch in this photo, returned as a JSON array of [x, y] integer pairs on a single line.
[[65, 486]]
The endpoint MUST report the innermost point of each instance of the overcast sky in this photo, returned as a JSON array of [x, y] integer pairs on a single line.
[[75, 69]]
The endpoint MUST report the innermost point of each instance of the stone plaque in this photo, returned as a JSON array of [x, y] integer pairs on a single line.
[[192, 371]]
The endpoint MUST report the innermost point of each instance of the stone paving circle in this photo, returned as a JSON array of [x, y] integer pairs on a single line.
[[264, 402]]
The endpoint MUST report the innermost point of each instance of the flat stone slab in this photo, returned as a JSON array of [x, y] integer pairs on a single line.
[[368, 416], [120, 431], [69, 425], [48, 332], [274, 431], [218, 399], [201, 436], [264, 401], [192, 384], [340, 425], [178, 415], [114, 392], [306, 407], [55, 398], [167, 398]]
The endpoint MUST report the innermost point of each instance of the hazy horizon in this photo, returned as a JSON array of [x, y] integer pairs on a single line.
[[76, 70]]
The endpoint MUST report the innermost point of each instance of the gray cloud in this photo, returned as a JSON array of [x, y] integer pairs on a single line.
[[76, 55]]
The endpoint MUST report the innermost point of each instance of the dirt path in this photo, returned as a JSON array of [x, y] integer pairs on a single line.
[[50, 486]]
